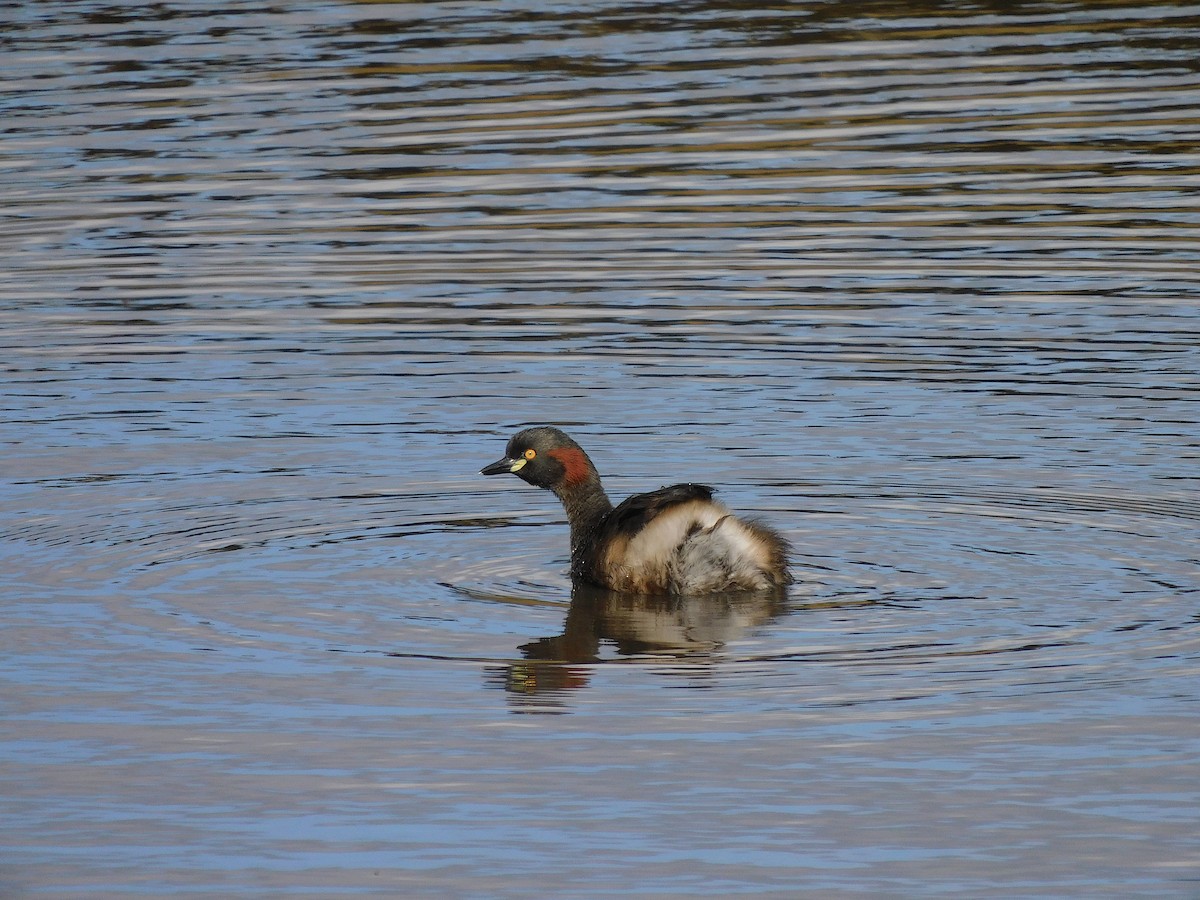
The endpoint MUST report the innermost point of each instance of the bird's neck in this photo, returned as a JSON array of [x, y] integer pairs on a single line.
[[586, 505]]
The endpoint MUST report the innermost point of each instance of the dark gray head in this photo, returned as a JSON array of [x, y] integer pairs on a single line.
[[545, 457]]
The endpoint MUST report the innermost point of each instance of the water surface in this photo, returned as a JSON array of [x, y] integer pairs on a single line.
[[917, 284]]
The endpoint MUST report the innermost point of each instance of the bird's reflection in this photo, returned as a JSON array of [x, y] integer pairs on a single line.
[[668, 627]]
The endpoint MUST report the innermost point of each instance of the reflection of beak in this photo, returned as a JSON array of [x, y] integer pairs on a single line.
[[503, 467]]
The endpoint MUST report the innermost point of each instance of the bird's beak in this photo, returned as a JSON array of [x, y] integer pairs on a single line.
[[503, 467]]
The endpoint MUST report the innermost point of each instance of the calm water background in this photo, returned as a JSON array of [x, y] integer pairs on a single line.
[[918, 283]]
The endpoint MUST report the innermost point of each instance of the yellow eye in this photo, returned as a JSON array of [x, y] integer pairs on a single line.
[[530, 453]]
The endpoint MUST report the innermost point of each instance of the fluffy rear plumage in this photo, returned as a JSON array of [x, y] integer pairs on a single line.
[[689, 546], [728, 555]]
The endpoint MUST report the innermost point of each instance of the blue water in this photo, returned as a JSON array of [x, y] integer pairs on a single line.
[[917, 286]]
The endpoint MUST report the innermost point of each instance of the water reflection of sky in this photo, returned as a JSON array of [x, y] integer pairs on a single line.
[[916, 286]]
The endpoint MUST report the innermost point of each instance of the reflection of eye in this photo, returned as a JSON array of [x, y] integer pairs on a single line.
[[530, 453]]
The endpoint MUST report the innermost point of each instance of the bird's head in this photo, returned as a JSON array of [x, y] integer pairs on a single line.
[[545, 457]]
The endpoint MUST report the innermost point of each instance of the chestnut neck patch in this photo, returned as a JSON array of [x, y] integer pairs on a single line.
[[575, 464]]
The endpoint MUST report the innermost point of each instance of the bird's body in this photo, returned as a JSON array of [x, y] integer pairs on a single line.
[[676, 540]]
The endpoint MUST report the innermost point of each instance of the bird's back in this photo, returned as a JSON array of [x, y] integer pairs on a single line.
[[678, 540]]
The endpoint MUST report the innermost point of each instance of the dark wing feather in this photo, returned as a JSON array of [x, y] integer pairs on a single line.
[[634, 514]]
